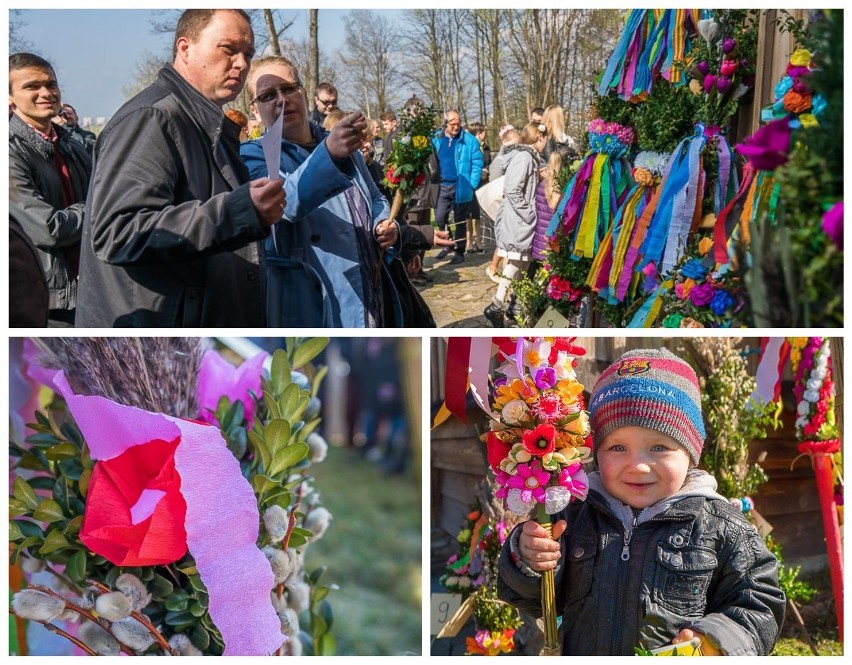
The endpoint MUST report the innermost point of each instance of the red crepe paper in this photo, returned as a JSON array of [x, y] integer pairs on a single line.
[[143, 482]]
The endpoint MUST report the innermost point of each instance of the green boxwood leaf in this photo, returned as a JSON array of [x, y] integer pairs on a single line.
[[199, 637], [314, 575], [30, 529], [48, 511], [289, 401], [54, 541], [17, 508], [221, 411], [289, 456], [296, 540], [160, 587], [277, 436], [323, 609], [262, 484], [308, 350], [320, 375], [72, 468], [197, 584], [237, 442], [62, 451], [179, 620], [195, 609], [43, 440], [280, 374], [271, 405], [72, 433], [15, 533], [26, 544], [24, 493], [326, 646], [234, 417], [260, 449], [177, 603], [74, 525], [280, 496], [76, 568]]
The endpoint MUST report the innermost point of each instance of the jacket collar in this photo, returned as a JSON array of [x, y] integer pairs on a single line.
[[22, 130], [209, 117], [698, 484]]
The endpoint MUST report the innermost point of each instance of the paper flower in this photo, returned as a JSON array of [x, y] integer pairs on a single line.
[[217, 377], [768, 147], [540, 441], [135, 512], [832, 224]]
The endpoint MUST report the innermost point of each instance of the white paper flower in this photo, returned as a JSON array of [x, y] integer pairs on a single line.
[[516, 504], [514, 412], [708, 29], [556, 499]]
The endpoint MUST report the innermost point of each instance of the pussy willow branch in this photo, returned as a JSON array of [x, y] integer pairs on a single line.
[[141, 618]]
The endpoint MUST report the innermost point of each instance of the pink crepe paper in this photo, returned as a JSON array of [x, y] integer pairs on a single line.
[[218, 377], [222, 519]]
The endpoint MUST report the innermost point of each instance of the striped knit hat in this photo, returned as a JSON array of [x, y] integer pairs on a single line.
[[650, 388]]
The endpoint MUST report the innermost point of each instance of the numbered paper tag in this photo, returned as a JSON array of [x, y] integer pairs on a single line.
[[552, 319], [445, 607]]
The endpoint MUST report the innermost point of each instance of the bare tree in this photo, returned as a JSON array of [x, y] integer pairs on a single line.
[[145, 72], [371, 69], [16, 42]]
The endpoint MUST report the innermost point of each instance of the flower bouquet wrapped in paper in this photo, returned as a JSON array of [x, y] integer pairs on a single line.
[[163, 498], [538, 445]]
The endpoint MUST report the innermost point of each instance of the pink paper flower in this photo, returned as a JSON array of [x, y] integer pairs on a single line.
[[531, 480], [702, 294], [768, 147], [574, 479], [727, 68], [217, 377], [832, 224]]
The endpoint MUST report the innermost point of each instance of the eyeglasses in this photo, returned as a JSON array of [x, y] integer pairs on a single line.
[[328, 103], [271, 95]]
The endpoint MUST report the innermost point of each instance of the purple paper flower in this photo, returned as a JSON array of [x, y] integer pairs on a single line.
[[728, 44], [767, 148], [702, 295], [545, 378], [722, 84], [710, 83], [702, 68], [722, 301], [832, 224]]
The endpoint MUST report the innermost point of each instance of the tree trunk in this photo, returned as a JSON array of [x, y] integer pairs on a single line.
[[314, 56], [271, 32]]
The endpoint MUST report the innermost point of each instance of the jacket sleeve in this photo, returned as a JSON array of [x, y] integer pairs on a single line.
[[315, 181], [46, 226], [475, 163], [135, 218], [519, 175], [747, 605]]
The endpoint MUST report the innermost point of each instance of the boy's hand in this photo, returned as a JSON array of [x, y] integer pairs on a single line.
[[537, 550], [707, 649]]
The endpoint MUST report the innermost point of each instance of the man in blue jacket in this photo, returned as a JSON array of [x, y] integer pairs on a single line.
[[460, 162]]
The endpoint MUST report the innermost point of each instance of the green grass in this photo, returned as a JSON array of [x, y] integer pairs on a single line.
[[373, 552]]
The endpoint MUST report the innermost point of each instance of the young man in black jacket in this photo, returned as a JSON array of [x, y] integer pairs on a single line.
[[48, 180]]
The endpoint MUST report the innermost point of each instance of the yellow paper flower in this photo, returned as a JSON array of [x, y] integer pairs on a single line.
[[705, 245], [801, 58], [419, 142], [696, 87], [808, 120], [498, 642], [516, 389]]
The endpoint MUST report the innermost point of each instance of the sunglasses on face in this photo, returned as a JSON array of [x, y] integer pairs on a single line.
[[272, 94], [327, 102]]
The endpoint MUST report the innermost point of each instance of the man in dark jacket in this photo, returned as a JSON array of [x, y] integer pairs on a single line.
[[69, 119], [173, 225], [48, 180]]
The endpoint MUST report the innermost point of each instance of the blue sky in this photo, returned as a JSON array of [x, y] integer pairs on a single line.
[[95, 51]]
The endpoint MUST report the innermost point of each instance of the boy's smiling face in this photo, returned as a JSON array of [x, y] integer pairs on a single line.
[[641, 466]]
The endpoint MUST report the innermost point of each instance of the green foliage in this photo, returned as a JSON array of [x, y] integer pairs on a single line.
[[666, 117], [408, 160], [732, 419]]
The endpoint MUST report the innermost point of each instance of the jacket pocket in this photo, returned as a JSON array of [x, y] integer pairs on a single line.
[[296, 296], [683, 577], [579, 560]]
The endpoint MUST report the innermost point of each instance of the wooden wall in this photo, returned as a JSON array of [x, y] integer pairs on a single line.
[[788, 501]]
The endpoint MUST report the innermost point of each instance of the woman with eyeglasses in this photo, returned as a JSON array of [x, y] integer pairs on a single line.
[[326, 260]]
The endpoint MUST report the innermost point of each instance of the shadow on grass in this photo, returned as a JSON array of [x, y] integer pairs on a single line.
[[373, 552]]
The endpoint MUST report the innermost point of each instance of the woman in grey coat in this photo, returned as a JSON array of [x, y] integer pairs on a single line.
[[515, 224]]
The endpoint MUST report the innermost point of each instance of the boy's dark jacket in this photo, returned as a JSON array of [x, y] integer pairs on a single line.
[[694, 562]]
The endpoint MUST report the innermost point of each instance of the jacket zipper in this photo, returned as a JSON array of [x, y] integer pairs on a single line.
[[628, 534]]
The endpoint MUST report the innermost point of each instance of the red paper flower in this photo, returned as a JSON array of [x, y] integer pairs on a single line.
[[496, 450], [540, 441], [135, 512]]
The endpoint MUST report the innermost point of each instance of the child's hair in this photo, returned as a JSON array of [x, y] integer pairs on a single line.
[[510, 136], [551, 188], [554, 120], [650, 388], [530, 133], [332, 119]]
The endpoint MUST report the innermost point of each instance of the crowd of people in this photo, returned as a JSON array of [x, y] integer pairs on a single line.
[[176, 216]]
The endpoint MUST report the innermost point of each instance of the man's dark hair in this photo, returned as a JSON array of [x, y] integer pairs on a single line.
[[64, 105], [325, 86], [25, 61], [475, 127], [193, 21], [538, 110]]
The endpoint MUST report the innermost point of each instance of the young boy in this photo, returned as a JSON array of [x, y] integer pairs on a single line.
[[654, 555]]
